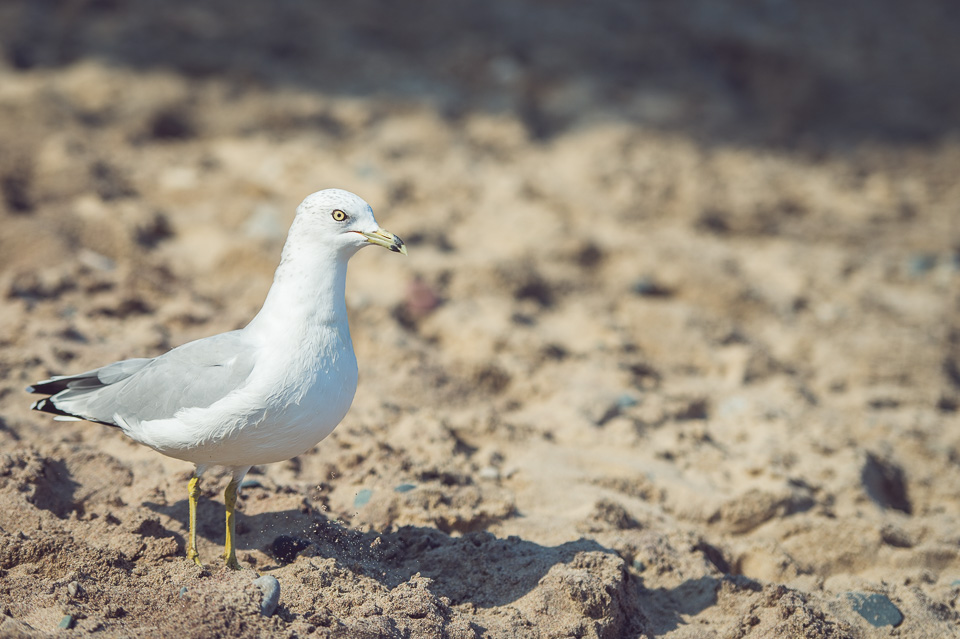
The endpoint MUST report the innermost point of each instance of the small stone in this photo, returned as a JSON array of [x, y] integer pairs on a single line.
[[270, 588], [95, 261], [73, 589], [895, 536], [250, 483], [489, 472], [183, 591], [649, 287], [66, 622], [877, 609], [404, 488], [362, 498], [601, 410], [921, 263]]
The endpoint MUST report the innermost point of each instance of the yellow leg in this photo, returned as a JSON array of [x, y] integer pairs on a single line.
[[193, 494], [229, 551]]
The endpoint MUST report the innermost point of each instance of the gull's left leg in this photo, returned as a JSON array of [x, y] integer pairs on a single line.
[[230, 500]]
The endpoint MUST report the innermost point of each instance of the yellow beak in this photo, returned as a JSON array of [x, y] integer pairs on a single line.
[[386, 239]]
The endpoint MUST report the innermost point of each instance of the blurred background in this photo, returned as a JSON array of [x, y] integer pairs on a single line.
[[771, 72], [102, 99], [683, 281]]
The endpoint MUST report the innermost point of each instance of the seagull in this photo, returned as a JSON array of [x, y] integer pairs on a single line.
[[261, 394]]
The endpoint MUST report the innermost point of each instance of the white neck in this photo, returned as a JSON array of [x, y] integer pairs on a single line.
[[307, 293]]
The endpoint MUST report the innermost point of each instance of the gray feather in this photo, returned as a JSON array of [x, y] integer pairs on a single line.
[[194, 375]]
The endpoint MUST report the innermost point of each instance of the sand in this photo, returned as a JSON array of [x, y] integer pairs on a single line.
[[675, 353]]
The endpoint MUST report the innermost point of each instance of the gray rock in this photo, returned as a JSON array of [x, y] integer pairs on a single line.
[[875, 608], [270, 588]]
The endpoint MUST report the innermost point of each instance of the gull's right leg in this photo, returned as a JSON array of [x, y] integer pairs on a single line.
[[193, 495]]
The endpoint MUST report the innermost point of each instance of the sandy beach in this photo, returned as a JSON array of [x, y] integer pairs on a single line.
[[675, 352]]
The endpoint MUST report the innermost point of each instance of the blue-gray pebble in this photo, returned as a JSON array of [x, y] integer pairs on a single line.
[[270, 588], [875, 608], [362, 497]]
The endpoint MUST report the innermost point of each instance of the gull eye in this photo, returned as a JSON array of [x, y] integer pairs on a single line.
[[339, 215]]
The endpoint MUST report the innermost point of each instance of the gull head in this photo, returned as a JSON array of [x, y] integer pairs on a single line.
[[343, 223]]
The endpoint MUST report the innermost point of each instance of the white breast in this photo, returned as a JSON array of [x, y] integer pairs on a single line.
[[288, 405]]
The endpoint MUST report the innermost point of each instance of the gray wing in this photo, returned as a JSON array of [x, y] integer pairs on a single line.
[[194, 375]]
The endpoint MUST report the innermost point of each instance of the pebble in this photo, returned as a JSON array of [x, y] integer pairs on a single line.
[[250, 483], [404, 488], [73, 589], [733, 406], [489, 472], [270, 588], [649, 287], [362, 498], [66, 622], [95, 261], [921, 263], [183, 591], [602, 411], [877, 609]]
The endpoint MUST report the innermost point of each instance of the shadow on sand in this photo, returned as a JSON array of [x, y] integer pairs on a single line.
[[476, 568]]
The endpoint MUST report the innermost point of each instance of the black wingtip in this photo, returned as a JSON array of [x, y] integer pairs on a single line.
[[46, 406]]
